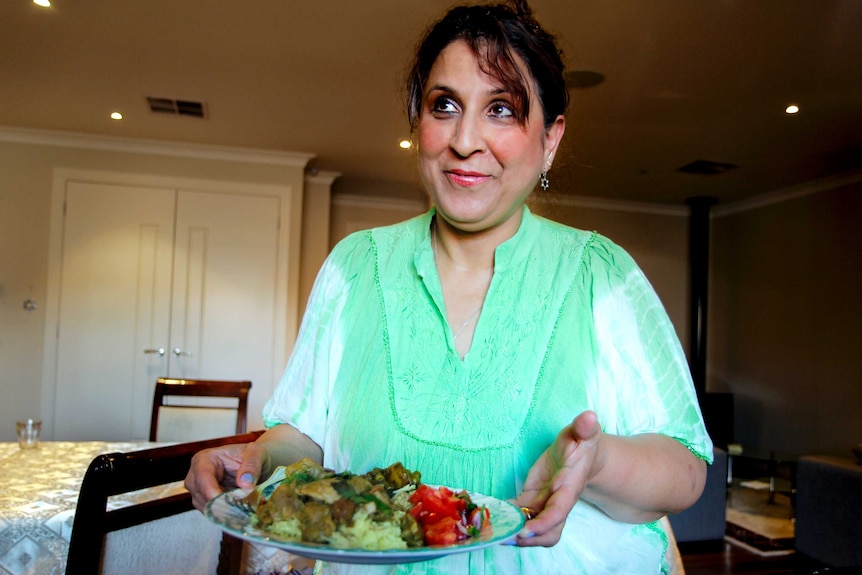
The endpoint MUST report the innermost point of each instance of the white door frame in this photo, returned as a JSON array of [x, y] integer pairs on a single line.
[[287, 283]]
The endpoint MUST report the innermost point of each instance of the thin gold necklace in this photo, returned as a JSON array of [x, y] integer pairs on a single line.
[[478, 309]]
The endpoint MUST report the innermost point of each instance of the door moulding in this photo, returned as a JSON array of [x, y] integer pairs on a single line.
[[287, 282]]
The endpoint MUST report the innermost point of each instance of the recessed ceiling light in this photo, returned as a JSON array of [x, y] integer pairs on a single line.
[[116, 116], [405, 144], [42, 3], [791, 109]]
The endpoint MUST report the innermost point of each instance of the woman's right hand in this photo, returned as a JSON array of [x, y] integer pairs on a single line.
[[216, 469]]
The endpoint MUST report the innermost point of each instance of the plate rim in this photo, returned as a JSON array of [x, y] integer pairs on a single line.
[[368, 556]]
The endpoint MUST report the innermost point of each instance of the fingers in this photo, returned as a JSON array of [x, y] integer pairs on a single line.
[[547, 526], [554, 504], [535, 495], [557, 480], [528, 537], [203, 478], [214, 469], [586, 426], [254, 461]]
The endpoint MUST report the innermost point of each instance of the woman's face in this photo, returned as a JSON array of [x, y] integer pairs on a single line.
[[476, 161]]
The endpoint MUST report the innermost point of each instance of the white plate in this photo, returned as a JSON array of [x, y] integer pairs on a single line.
[[506, 521]]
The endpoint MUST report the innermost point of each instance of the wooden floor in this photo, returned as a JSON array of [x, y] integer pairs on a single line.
[[728, 559]]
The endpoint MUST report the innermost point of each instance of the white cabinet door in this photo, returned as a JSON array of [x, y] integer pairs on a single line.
[[158, 282], [114, 303], [223, 317]]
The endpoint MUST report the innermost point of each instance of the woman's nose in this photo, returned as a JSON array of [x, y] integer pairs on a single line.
[[468, 137]]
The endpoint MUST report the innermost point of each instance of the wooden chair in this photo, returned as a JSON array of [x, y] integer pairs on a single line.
[[193, 421], [120, 473]]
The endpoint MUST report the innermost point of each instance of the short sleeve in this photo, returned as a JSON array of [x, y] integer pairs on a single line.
[[643, 381]]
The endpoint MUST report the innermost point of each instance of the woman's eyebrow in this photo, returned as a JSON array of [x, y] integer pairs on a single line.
[[446, 89], [440, 88]]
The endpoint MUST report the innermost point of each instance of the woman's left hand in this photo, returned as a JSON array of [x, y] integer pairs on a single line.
[[557, 479]]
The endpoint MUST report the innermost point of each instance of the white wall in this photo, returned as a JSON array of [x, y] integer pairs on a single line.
[[351, 213], [27, 161]]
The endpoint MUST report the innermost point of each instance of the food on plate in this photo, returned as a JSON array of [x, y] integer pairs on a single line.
[[383, 509], [447, 517]]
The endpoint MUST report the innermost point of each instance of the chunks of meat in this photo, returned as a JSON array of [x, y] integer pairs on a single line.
[[321, 490], [317, 523], [282, 505], [411, 531], [343, 510], [394, 477]]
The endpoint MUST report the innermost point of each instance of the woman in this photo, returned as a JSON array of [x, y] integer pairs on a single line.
[[489, 348]]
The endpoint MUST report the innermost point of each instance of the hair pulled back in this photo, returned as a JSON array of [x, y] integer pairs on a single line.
[[496, 33]]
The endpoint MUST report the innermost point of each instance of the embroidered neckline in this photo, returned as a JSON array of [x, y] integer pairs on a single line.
[[446, 388]]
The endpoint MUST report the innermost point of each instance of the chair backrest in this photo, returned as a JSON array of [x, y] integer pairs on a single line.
[[195, 421], [119, 473]]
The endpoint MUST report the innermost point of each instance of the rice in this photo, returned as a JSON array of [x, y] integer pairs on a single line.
[[290, 529], [368, 534], [364, 533], [401, 497]]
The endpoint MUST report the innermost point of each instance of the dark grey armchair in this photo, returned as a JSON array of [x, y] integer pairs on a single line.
[[705, 520], [829, 510]]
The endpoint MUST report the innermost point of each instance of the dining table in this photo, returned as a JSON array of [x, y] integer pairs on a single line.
[[38, 493], [39, 489]]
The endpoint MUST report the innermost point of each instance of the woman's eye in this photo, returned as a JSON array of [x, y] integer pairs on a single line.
[[444, 106], [501, 110]]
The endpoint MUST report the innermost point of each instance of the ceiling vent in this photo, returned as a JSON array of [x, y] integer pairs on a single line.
[[706, 168], [177, 107]]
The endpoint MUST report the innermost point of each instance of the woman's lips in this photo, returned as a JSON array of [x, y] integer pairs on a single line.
[[467, 178]]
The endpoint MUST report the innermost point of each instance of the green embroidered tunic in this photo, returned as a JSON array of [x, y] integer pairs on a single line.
[[570, 323]]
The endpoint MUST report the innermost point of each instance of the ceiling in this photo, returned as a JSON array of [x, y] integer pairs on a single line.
[[684, 81]]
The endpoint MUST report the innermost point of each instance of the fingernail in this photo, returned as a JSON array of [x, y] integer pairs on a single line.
[[513, 541], [247, 477], [526, 535]]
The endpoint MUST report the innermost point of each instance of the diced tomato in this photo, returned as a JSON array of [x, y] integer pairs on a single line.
[[436, 503], [444, 517], [446, 531]]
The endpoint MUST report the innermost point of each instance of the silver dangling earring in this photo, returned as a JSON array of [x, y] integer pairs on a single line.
[[543, 181]]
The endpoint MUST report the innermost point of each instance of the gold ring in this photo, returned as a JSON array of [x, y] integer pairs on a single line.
[[528, 512]]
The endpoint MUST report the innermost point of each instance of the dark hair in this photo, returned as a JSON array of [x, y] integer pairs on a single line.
[[496, 33]]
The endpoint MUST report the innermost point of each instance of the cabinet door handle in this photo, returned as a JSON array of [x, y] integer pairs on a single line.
[[159, 351], [178, 352]]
